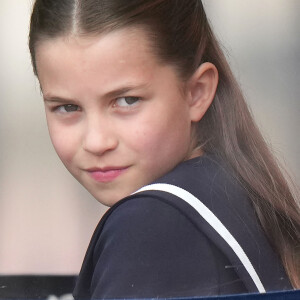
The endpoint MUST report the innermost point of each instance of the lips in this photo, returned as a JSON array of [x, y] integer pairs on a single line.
[[107, 174]]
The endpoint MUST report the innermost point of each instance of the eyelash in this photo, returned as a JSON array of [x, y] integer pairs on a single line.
[[130, 98], [133, 100], [57, 108]]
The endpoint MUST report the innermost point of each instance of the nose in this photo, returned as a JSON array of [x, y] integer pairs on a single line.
[[99, 136]]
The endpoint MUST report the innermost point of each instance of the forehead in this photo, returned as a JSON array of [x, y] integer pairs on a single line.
[[125, 44], [96, 59]]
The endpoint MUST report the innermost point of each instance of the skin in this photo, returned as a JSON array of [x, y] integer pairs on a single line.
[[118, 118]]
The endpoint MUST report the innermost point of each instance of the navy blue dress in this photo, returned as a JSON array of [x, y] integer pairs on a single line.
[[154, 244]]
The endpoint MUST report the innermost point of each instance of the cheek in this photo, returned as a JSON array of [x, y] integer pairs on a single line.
[[145, 137], [161, 137], [64, 142]]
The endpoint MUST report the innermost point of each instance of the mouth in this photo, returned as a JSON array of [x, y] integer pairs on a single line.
[[107, 174]]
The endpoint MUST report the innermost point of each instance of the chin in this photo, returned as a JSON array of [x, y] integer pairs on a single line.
[[109, 197], [108, 201]]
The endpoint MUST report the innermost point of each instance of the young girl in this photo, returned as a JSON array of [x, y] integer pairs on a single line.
[[139, 96]]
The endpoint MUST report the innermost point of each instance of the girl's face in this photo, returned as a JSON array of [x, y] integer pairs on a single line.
[[117, 117]]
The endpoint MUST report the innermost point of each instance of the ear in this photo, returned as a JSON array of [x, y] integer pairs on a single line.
[[202, 87]]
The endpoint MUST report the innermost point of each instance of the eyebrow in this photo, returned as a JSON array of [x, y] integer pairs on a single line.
[[57, 99], [112, 94], [124, 90]]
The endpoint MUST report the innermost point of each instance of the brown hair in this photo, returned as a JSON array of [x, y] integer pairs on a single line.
[[181, 36]]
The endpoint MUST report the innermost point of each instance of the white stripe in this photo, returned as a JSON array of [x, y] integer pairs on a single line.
[[208, 215]]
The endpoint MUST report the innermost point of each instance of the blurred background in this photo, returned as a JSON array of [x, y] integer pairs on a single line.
[[46, 217]]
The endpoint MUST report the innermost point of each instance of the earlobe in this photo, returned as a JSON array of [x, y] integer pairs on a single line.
[[202, 88]]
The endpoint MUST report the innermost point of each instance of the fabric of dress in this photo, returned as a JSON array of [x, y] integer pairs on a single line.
[[153, 244]]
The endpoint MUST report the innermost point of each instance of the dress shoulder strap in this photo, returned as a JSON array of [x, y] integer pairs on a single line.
[[214, 222]]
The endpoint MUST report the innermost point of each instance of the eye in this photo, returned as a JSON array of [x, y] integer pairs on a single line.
[[127, 101], [67, 108]]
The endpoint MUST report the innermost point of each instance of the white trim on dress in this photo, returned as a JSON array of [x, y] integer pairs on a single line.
[[211, 219]]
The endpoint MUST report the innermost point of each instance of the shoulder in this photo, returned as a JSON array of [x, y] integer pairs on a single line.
[[206, 177], [212, 182], [146, 219], [219, 206], [148, 247]]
